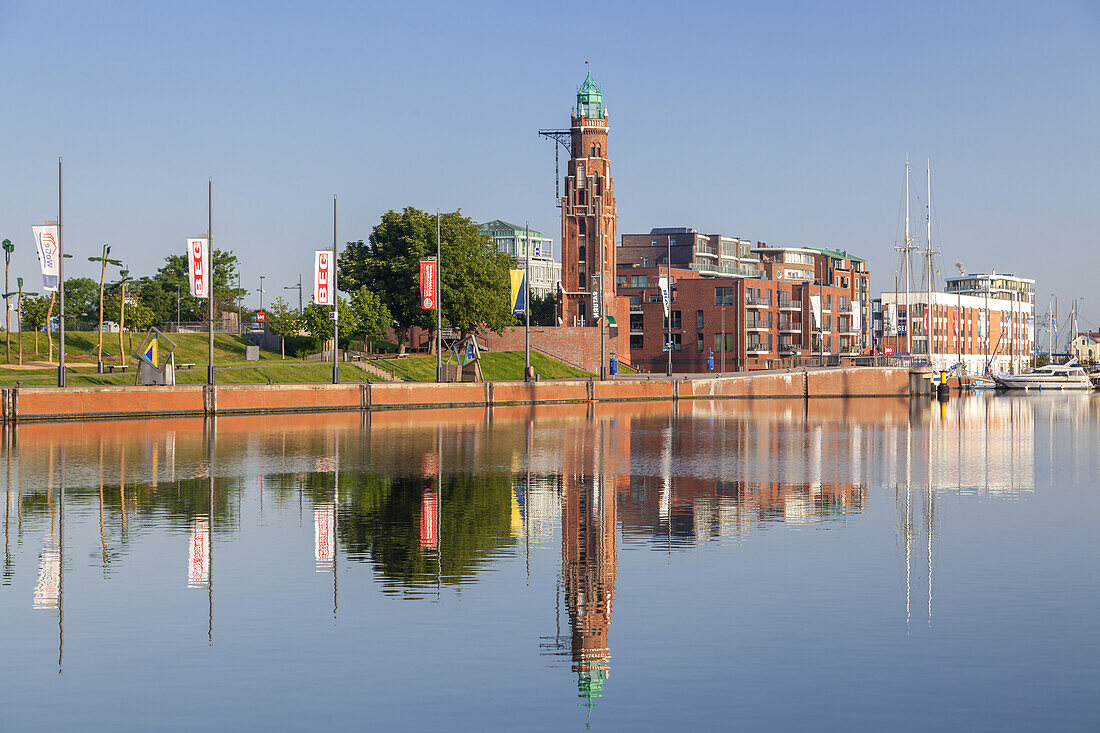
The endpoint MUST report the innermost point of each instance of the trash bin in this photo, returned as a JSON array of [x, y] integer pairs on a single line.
[[710, 362], [613, 365], [529, 374]]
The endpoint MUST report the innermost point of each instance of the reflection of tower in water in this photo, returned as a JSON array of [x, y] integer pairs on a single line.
[[589, 556]]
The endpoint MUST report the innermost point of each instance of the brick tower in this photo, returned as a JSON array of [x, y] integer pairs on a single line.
[[587, 213]]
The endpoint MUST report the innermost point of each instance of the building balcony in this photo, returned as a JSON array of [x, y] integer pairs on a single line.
[[752, 302], [757, 326], [758, 348], [790, 327], [790, 305]]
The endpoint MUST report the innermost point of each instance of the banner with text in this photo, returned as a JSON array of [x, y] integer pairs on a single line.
[[662, 285], [198, 252], [519, 291], [428, 297], [815, 310], [324, 276], [49, 254]]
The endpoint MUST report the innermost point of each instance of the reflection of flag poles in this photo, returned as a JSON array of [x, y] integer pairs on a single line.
[[336, 462], [335, 315], [61, 568]]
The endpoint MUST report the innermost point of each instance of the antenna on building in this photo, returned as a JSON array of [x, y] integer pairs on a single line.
[[960, 268]]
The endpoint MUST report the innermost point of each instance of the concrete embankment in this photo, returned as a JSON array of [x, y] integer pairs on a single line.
[[80, 403]]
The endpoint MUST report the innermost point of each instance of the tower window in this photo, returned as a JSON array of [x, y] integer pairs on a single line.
[[599, 152], [592, 154]]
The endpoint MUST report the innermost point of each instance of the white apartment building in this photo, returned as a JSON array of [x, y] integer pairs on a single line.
[[514, 240]]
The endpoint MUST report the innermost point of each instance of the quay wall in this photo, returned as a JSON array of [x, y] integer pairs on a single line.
[[88, 402]]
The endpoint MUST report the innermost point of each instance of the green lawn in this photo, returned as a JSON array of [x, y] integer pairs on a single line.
[[287, 372], [229, 351], [495, 366], [82, 345]]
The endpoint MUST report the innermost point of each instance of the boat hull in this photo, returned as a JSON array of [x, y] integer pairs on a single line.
[[1023, 382]]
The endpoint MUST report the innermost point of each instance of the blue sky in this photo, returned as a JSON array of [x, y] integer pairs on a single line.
[[782, 122]]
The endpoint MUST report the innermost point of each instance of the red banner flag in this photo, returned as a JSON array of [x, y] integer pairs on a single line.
[[428, 297]]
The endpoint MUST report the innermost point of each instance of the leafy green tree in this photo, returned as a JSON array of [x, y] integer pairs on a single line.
[[160, 291], [283, 321], [371, 315], [139, 317], [34, 314], [474, 276], [316, 322], [81, 299], [544, 310]]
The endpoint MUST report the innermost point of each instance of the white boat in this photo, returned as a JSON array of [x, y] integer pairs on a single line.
[[1051, 376]]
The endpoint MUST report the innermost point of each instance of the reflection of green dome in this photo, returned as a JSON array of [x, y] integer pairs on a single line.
[[590, 685], [590, 98]]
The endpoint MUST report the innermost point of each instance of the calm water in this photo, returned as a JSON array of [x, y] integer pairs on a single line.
[[868, 564]]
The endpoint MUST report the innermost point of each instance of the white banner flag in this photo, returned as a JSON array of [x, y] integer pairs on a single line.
[[815, 310], [324, 276], [662, 285], [49, 254], [198, 253]]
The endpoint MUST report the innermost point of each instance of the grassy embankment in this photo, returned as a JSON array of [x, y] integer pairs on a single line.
[[229, 351], [495, 366]]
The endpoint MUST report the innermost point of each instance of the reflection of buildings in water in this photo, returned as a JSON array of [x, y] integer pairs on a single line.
[[48, 588], [984, 445], [589, 556], [536, 507]]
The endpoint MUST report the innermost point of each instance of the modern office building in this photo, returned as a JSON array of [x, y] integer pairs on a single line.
[[514, 240], [711, 255]]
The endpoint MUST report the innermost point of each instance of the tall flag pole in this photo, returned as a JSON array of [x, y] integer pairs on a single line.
[[527, 299], [438, 304], [335, 301], [210, 285], [60, 277]]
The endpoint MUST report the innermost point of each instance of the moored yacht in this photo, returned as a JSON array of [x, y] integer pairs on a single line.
[[1051, 376]]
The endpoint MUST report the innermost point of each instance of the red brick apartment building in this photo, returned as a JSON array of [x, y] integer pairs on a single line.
[[745, 323], [760, 322]]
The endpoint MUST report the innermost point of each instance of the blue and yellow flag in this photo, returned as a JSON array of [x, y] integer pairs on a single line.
[[150, 354], [519, 291]]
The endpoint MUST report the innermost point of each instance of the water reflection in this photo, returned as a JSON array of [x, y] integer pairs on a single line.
[[431, 501]]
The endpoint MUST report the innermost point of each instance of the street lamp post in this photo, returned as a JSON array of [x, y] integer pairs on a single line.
[[262, 292], [8, 249], [297, 287]]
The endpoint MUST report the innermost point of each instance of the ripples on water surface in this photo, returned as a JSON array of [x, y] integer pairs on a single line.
[[862, 564]]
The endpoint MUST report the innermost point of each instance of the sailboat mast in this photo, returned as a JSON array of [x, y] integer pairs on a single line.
[[905, 266], [928, 256]]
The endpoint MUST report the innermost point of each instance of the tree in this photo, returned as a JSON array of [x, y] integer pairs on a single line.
[[544, 310], [371, 314], [282, 320], [160, 291], [474, 276], [81, 298], [34, 314], [317, 323]]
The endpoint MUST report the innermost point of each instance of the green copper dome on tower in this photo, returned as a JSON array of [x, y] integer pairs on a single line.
[[590, 98]]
